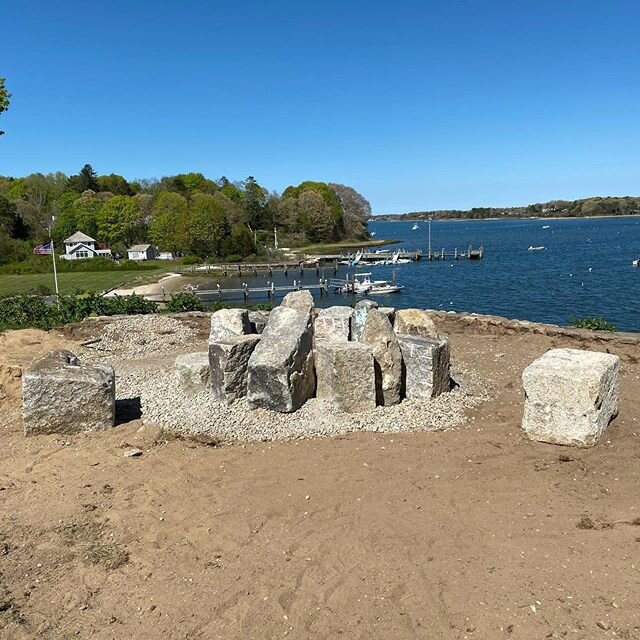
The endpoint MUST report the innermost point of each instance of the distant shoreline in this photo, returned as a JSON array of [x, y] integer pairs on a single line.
[[385, 218]]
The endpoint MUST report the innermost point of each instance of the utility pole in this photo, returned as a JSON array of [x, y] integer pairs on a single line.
[[429, 238], [275, 238]]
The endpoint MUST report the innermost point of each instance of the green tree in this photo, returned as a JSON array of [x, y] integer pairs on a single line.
[[240, 241], [168, 219], [356, 210], [254, 201], [115, 184], [65, 217], [4, 98], [315, 216], [207, 226], [86, 179], [87, 210], [119, 220]]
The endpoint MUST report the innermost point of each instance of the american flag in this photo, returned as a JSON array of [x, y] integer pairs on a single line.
[[43, 249]]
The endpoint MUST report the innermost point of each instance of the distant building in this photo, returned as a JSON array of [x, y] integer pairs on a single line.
[[141, 252], [165, 255], [80, 246]]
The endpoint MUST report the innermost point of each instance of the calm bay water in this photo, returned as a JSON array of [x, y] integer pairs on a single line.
[[585, 269]]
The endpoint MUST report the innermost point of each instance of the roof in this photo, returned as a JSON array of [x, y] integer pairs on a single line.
[[78, 236], [80, 245], [139, 247]]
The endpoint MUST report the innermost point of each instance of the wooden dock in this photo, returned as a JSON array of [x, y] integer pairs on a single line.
[[469, 254]]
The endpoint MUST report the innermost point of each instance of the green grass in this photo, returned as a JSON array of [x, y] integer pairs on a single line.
[[88, 281]]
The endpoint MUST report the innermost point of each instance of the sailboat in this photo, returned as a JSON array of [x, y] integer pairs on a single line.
[[415, 227]]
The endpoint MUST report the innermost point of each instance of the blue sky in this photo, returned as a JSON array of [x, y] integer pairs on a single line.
[[418, 105]]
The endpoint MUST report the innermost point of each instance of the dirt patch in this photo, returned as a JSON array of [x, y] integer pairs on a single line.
[[469, 533]]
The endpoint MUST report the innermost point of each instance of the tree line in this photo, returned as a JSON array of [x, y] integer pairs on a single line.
[[597, 206], [187, 214]]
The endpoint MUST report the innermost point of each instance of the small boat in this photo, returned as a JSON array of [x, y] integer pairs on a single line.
[[384, 288], [536, 248], [636, 263], [546, 226], [415, 227]]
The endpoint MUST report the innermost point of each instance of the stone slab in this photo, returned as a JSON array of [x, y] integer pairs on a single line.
[[229, 322], [426, 366], [228, 363], [192, 370]]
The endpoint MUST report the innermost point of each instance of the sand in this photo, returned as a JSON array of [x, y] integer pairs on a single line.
[[469, 533]]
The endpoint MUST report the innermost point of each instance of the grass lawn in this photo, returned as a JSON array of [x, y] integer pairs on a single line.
[[69, 282]]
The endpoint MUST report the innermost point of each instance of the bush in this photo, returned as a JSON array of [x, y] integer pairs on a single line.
[[23, 311], [185, 302], [594, 323], [191, 260], [43, 264]]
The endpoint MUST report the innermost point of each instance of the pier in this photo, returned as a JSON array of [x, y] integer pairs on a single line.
[[469, 254]]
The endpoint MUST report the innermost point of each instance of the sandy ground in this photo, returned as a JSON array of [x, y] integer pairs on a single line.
[[471, 533], [169, 284]]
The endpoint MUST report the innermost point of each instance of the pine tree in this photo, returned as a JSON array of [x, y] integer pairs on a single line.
[[86, 179]]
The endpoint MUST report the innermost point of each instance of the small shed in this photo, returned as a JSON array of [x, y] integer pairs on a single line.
[[141, 252]]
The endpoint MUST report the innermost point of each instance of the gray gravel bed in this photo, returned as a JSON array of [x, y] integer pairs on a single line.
[[164, 404]]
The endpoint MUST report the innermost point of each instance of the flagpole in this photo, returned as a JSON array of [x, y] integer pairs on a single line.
[[53, 257]]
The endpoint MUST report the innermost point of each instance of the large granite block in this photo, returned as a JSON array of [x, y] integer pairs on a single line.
[[228, 363], [426, 365]]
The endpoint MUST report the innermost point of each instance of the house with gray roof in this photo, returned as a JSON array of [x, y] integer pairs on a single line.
[[80, 246]]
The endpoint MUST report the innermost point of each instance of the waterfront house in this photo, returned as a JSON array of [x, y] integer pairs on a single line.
[[141, 252], [80, 246]]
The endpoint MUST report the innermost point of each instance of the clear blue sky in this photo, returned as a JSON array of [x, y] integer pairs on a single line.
[[418, 105]]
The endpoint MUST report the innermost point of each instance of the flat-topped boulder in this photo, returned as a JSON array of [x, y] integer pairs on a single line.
[[229, 362], [229, 322], [333, 323], [192, 370], [63, 395], [426, 366], [301, 300], [346, 375], [281, 374], [379, 334], [571, 396], [415, 322], [360, 312]]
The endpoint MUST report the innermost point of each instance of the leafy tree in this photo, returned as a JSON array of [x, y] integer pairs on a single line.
[[115, 184], [4, 98], [87, 210], [86, 179], [356, 210], [316, 217], [207, 226], [65, 217], [168, 219], [254, 200], [119, 220], [240, 242]]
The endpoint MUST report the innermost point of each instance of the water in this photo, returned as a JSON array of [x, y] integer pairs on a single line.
[[585, 269]]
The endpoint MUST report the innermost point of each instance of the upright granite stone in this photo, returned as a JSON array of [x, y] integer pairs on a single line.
[[415, 322], [228, 362], [378, 333], [334, 323], [346, 375], [229, 322], [258, 320], [192, 370], [281, 374], [571, 396], [360, 312], [426, 365], [301, 300], [63, 395], [390, 312]]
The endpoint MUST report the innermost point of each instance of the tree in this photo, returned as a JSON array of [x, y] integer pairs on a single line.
[[316, 217], [86, 179], [254, 200], [87, 210], [119, 220], [240, 242], [4, 98], [65, 216], [168, 219], [115, 184], [356, 210], [207, 226]]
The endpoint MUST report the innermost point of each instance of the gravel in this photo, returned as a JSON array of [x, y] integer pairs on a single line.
[[164, 404], [143, 350]]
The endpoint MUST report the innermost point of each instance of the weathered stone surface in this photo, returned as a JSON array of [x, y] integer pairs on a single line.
[[346, 375], [415, 322], [390, 312], [333, 323], [570, 396], [258, 320], [193, 371], [360, 312], [378, 333], [426, 366], [229, 322], [281, 374], [228, 361], [301, 300], [63, 395]]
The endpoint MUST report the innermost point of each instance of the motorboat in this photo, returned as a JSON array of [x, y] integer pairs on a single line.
[[415, 227], [536, 248], [362, 284], [636, 263], [384, 288], [546, 226]]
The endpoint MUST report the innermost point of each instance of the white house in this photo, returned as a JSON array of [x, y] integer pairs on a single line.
[[141, 252], [165, 255], [80, 246]]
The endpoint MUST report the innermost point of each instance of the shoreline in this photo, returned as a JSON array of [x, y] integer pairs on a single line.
[[152, 288], [626, 215]]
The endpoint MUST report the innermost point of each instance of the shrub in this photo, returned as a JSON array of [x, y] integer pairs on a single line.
[[191, 260], [185, 302], [595, 324]]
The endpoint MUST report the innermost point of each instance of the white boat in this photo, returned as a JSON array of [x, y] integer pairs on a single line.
[[546, 226], [536, 248], [636, 263], [351, 262], [363, 284], [415, 227], [384, 288]]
